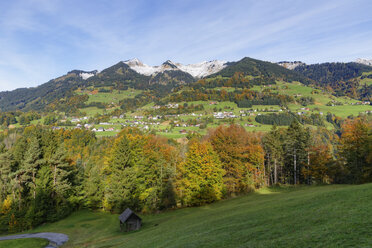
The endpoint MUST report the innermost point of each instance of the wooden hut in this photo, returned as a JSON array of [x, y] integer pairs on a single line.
[[129, 221]]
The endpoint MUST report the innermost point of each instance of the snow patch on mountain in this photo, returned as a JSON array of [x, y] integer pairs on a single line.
[[198, 70], [86, 75], [141, 68], [290, 64], [364, 61], [204, 68]]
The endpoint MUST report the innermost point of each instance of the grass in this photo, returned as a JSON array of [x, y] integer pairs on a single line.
[[367, 81], [91, 111], [317, 216], [115, 96], [24, 243], [343, 110]]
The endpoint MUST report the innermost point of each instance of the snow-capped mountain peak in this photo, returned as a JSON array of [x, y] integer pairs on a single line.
[[137, 65], [364, 61], [204, 68], [134, 62], [197, 70], [169, 65]]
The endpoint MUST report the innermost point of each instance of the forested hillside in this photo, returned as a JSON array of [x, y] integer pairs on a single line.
[[340, 78], [259, 68], [328, 73], [40, 97]]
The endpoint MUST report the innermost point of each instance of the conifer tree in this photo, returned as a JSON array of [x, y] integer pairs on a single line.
[[274, 152], [30, 165], [6, 166], [296, 142], [61, 171], [121, 180]]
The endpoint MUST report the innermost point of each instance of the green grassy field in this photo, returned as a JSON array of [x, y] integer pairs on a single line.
[[367, 81], [115, 96], [317, 216], [24, 243]]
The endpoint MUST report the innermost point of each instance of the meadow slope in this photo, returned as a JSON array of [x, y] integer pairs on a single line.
[[317, 216]]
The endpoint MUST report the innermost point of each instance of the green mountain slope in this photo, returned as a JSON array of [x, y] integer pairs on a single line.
[[341, 78], [172, 78], [38, 98], [329, 73], [323, 216], [254, 67], [119, 76]]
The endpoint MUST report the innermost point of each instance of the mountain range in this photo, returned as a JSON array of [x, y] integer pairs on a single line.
[[169, 75]]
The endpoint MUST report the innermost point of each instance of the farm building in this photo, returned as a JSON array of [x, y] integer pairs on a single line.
[[129, 221]]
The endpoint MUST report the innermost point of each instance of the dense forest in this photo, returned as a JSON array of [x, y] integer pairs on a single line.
[[328, 73], [46, 174], [339, 78]]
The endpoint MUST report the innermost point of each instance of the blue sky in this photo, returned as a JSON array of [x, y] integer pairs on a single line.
[[43, 39]]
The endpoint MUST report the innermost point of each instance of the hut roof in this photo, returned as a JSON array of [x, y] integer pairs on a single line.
[[126, 214]]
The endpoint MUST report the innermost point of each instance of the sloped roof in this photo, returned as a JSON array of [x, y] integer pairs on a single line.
[[126, 214]]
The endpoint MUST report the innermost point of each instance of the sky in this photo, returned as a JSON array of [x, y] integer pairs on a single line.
[[43, 39]]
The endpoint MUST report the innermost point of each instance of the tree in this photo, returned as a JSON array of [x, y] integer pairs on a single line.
[[6, 167], [61, 171], [31, 164], [320, 162], [297, 140], [241, 155], [356, 149], [202, 175], [122, 169], [272, 142]]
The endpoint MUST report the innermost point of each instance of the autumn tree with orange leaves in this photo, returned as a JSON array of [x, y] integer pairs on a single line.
[[242, 157], [356, 149]]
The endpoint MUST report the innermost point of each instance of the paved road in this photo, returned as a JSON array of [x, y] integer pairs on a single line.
[[55, 239]]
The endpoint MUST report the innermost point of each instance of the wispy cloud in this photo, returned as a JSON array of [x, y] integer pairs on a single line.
[[42, 39]]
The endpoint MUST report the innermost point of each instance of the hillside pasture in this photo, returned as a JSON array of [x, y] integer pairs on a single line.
[[317, 216]]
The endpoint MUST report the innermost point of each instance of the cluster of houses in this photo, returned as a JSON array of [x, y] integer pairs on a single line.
[[249, 125], [73, 120], [223, 115], [169, 105], [361, 103], [102, 129]]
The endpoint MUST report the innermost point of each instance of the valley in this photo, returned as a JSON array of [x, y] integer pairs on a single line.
[[244, 92], [185, 124]]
